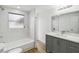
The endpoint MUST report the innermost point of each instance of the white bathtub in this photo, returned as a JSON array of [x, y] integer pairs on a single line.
[[25, 44]]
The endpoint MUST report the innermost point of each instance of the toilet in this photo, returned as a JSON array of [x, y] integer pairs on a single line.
[[16, 50]]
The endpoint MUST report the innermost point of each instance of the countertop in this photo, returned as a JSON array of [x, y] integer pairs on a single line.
[[67, 36]]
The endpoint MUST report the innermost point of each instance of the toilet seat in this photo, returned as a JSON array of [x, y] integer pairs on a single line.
[[16, 50]]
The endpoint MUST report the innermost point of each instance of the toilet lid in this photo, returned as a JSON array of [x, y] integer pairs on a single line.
[[16, 50]]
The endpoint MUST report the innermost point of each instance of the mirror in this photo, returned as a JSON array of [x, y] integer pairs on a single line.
[[66, 22], [16, 20]]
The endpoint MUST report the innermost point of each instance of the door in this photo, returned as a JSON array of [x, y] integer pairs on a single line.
[[62, 46], [72, 47], [51, 44], [48, 44], [55, 45]]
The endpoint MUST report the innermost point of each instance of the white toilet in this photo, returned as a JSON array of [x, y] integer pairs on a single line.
[[16, 50]]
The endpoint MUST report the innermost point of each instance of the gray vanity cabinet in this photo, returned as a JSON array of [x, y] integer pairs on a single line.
[[51, 44], [55, 45], [62, 45], [59, 45], [72, 47]]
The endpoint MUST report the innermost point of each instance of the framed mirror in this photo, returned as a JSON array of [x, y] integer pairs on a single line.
[[68, 22]]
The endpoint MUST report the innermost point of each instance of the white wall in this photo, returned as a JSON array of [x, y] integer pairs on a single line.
[[12, 34], [32, 19], [44, 25]]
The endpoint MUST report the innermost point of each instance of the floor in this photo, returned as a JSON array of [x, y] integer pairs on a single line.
[[40, 48], [34, 50]]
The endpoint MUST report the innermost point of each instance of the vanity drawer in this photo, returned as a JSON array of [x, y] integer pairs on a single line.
[[72, 50], [73, 44], [72, 47], [70, 43]]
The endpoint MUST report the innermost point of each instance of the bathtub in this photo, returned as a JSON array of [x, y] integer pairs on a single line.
[[25, 44]]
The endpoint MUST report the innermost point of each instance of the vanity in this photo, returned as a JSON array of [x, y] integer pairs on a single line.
[[62, 43], [64, 35]]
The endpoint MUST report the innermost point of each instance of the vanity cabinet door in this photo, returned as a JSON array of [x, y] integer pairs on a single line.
[[72, 47], [55, 45], [48, 44], [72, 50], [62, 46], [51, 44]]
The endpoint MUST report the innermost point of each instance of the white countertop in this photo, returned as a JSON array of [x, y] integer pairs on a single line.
[[67, 36]]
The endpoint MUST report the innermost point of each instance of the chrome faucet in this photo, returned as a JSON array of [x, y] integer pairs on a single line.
[[62, 32]]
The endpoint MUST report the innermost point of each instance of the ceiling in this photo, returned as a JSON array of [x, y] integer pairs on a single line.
[[28, 7]]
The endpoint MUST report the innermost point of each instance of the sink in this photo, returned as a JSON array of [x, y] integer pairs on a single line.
[[59, 34], [68, 35]]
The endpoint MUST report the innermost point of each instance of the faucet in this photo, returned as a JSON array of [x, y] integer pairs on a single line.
[[62, 32]]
